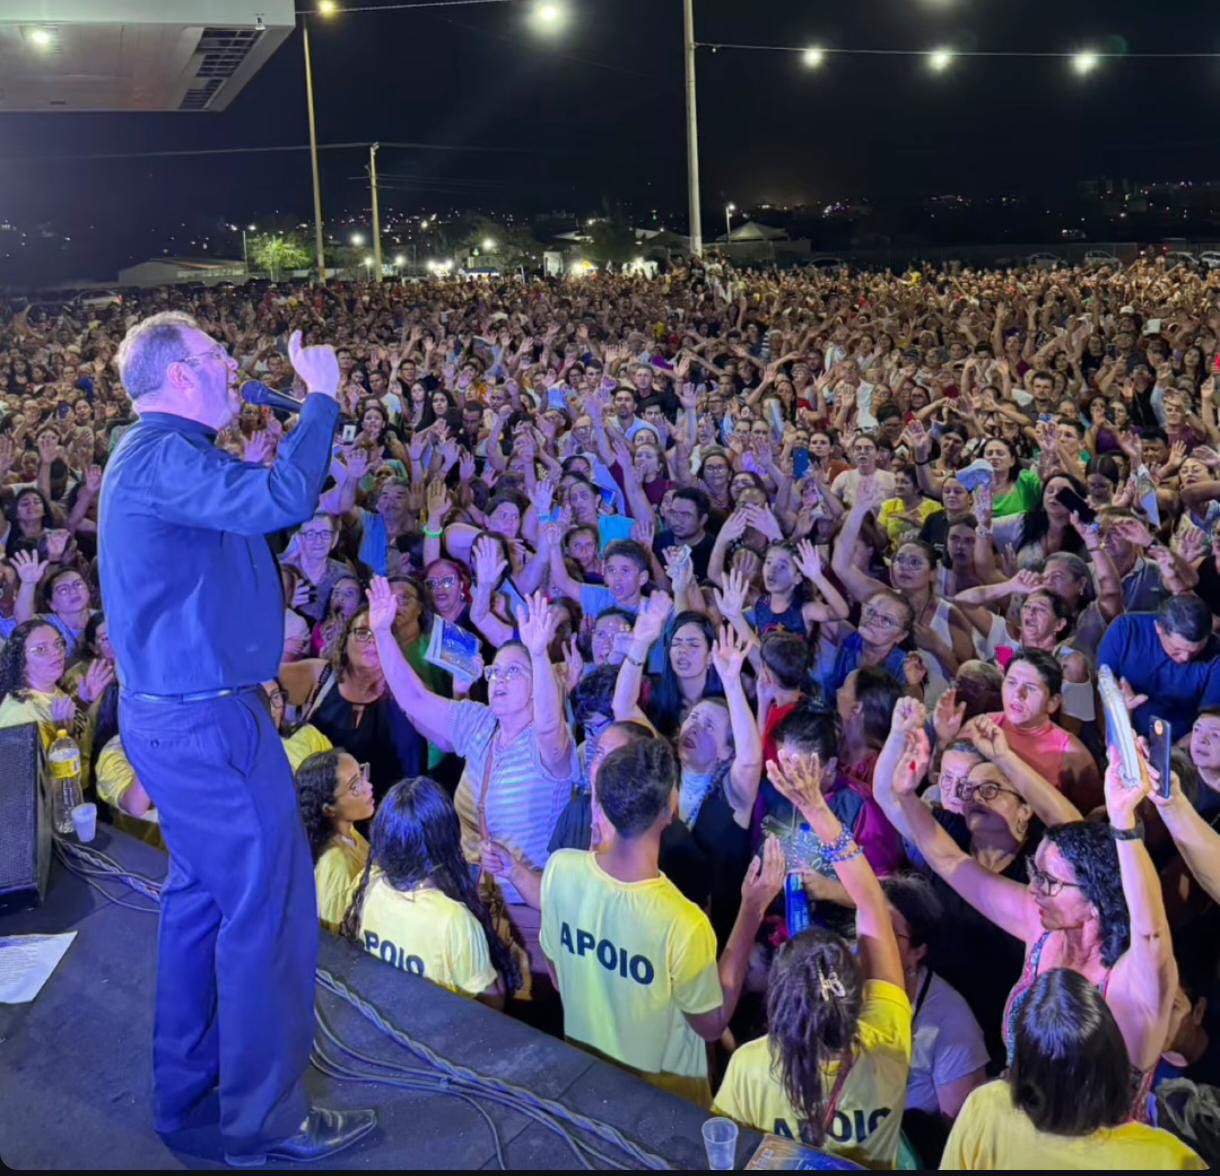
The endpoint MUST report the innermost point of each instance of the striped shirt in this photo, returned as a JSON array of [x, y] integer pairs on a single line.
[[523, 799]]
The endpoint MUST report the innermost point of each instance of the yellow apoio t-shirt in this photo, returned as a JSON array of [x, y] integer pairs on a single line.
[[115, 777], [428, 934], [992, 1133], [868, 1115], [335, 874], [631, 958]]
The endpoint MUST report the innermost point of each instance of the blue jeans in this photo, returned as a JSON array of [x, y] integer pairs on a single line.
[[239, 922]]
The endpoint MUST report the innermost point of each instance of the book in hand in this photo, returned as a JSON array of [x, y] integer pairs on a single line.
[[454, 650], [778, 1153]]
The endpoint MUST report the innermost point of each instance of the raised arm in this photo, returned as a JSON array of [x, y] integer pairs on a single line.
[[649, 623], [728, 656], [1197, 841], [857, 583], [489, 566], [1146, 975], [1050, 806], [1007, 904], [537, 622], [432, 715], [801, 785]]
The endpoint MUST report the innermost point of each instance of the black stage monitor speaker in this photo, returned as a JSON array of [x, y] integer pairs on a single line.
[[25, 819]]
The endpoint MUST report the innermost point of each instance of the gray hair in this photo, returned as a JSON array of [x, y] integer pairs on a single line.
[[149, 348]]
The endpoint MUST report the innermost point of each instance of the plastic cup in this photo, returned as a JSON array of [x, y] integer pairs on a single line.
[[84, 819], [720, 1142]]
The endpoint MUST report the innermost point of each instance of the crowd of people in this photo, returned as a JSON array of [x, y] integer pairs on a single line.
[[643, 622]]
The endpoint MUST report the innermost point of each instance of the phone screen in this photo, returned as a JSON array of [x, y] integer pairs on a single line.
[[349, 433], [1073, 502], [1160, 749], [800, 462]]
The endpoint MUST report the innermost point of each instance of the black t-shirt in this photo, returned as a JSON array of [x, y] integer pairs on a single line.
[[700, 553], [1208, 588]]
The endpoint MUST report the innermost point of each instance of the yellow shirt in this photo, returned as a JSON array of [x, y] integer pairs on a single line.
[[868, 1114], [898, 528], [36, 708], [336, 873], [994, 1134], [428, 934], [632, 958], [114, 779], [301, 744]]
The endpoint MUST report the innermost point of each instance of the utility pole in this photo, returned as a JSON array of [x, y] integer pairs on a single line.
[[376, 216], [692, 132], [319, 243]]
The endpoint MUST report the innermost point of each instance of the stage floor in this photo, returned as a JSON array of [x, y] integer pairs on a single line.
[[75, 1063]]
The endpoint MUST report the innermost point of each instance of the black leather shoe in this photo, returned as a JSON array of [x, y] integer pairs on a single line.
[[323, 1134]]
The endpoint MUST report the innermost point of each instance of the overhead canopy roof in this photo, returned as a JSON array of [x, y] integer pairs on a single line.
[[116, 55]]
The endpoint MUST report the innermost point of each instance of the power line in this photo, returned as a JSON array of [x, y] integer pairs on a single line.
[[247, 151], [1055, 53]]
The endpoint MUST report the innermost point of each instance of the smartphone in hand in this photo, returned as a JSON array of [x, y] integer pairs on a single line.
[[1160, 751]]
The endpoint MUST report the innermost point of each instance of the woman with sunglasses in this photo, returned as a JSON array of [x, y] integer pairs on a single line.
[[1093, 904], [519, 752], [348, 700], [334, 793]]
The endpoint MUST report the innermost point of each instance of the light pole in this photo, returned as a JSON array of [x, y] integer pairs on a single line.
[[245, 257], [692, 131], [319, 245], [376, 217], [729, 209]]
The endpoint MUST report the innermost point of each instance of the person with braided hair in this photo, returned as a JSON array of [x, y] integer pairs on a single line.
[[832, 1068], [417, 906]]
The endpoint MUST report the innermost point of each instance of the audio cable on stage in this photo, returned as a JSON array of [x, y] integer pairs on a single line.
[[437, 1075]]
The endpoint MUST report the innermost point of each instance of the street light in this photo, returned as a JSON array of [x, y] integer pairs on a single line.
[[813, 57], [729, 209], [488, 244], [327, 7], [399, 260], [940, 59], [41, 38], [357, 239], [1085, 62], [549, 16]]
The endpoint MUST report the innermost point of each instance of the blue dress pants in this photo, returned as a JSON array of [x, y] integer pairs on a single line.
[[239, 923]]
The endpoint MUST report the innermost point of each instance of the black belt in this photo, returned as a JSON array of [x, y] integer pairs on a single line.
[[199, 696]]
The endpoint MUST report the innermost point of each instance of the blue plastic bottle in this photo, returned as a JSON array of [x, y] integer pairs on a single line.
[[796, 905]]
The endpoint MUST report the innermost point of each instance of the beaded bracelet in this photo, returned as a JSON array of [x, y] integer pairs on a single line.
[[835, 850], [854, 852]]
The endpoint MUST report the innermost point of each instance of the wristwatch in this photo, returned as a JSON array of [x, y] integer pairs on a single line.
[[1135, 833]]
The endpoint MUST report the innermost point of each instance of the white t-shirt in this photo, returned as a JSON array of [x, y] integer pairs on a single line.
[[947, 1044]]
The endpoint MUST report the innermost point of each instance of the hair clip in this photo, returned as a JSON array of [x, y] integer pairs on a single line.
[[830, 984]]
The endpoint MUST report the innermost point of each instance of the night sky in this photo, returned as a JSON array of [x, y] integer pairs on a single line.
[[597, 113]]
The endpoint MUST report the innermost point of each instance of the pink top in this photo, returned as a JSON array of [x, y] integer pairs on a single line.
[[1060, 758]]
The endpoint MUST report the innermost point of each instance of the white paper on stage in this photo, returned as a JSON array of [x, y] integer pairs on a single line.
[[26, 964]]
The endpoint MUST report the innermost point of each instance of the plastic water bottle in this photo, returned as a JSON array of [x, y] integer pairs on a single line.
[[64, 758], [796, 905]]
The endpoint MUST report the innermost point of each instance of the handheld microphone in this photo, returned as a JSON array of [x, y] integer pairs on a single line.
[[256, 392]]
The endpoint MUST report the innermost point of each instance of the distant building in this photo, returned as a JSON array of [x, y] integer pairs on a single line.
[[755, 242], [171, 271]]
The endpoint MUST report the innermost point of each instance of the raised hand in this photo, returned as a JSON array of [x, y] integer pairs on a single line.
[[466, 466], [809, 560], [1121, 801], [28, 566], [765, 877], [258, 448], [573, 665], [644, 531], [797, 782], [97, 677], [913, 764], [650, 620], [93, 479], [436, 502], [1193, 545], [948, 717], [909, 715], [1134, 532], [63, 711], [729, 654], [987, 735], [678, 568], [48, 448], [317, 365], [537, 621], [383, 607], [489, 562], [731, 602]]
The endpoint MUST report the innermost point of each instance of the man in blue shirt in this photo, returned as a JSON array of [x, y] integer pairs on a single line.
[[1168, 662], [195, 611]]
